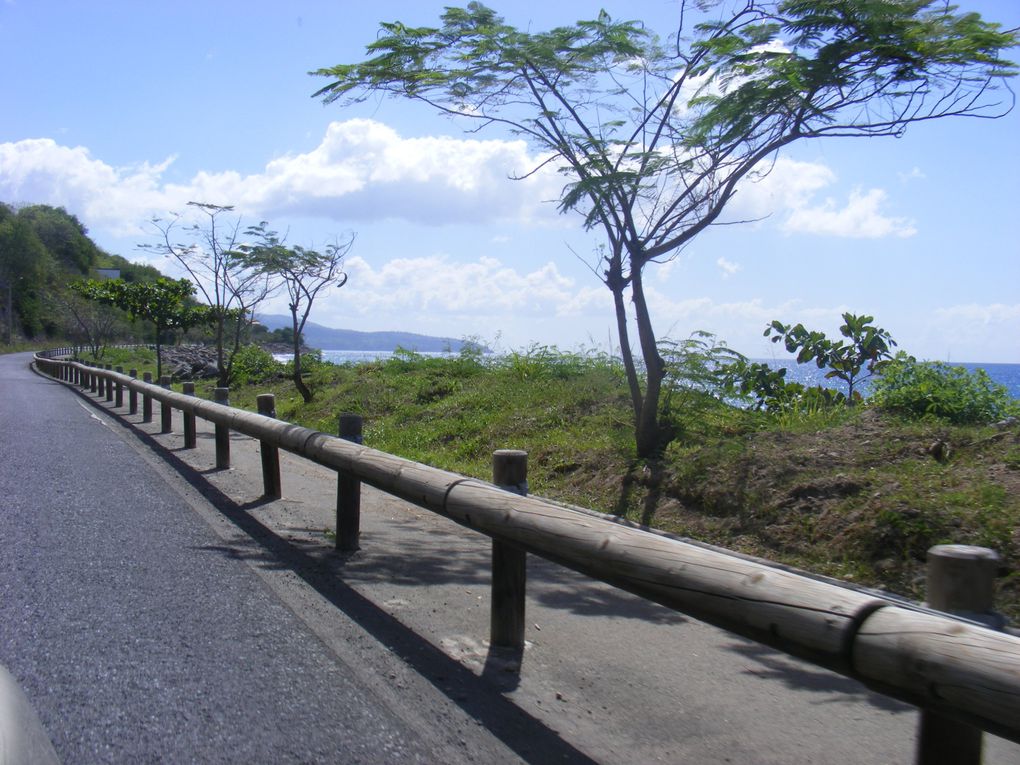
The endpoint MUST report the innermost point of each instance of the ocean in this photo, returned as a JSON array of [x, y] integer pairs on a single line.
[[1007, 375]]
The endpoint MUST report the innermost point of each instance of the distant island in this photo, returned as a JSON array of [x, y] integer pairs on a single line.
[[330, 339]]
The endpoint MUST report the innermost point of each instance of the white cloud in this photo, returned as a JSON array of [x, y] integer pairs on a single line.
[[788, 184], [433, 291], [861, 218], [364, 171], [981, 314], [39, 170], [915, 174], [727, 268], [361, 171], [968, 332], [786, 192]]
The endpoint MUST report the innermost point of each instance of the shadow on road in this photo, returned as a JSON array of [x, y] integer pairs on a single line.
[[320, 568], [802, 677]]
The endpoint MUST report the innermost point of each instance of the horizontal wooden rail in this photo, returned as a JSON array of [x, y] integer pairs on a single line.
[[957, 668]]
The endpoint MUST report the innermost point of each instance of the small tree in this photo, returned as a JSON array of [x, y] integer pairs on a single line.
[[223, 275], [654, 138], [305, 274], [868, 351], [163, 302], [87, 319]]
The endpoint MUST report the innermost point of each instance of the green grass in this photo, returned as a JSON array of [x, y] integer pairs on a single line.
[[852, 493]]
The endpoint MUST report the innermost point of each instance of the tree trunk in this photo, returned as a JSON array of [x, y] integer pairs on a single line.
[[223, 379], [298, 382], [627, 354], [648, 432], [159, 354]]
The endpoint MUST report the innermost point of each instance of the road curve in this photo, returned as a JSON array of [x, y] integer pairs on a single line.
[[134, 635]]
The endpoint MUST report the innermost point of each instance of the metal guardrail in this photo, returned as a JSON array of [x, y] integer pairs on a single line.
[[956, 669]]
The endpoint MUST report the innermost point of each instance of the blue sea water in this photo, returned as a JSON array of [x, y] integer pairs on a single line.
[[1007, 375]]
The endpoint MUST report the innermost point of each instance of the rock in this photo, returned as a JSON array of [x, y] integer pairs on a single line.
[[189, 362]]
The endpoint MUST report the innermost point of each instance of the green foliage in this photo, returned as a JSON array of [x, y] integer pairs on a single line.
[[693, 377], [26, 266], [941, 392], [769, 391], [163, 302], [63, 236], [765, 386], [868, 349], [547, 362], [252, 364]]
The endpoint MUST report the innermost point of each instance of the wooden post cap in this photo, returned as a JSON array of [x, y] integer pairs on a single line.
[[961, 578], [221, 395], [266, 404], [351, 427], [510, 470]]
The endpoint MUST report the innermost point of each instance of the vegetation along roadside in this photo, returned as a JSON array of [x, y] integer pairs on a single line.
[[778, 470]]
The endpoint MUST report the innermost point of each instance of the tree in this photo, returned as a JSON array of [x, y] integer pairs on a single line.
[[655, 138], [866, 353], [305, 273], [89, 321], [224, 276], [163, 302], [25, 269]]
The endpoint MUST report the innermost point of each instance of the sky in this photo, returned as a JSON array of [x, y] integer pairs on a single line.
[[124, 111]]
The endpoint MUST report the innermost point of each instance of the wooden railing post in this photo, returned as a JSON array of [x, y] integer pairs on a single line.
[[109, 384], [509, 563], [165, 410], [222, 396], [147, 399], [961, 580], [348, 491], [119, 395], [98, 383], [133, 394], [271, 487], [190, 437]]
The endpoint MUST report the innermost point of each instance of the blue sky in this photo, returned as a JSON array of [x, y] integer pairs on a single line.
[[120, 111]]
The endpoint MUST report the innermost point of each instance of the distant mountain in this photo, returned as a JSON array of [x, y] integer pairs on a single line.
[[330, 339]]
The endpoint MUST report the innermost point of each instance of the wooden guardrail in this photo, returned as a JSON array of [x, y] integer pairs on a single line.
[[955, 669]]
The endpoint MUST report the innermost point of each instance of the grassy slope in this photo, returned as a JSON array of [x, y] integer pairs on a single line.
[[855, 494]]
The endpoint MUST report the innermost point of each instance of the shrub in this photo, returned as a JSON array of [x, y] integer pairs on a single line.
[[253, 364], [545, 362], [934, 390]]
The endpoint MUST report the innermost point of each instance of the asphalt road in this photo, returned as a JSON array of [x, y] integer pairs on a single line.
[[135, 633]]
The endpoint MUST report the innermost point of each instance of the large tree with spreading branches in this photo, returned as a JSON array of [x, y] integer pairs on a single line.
[[655, 135]]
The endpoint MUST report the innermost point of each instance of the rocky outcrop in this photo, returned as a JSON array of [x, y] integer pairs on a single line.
[[189, 362]]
